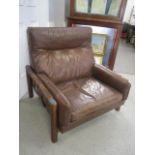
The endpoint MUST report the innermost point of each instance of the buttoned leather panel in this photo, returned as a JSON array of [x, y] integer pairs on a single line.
[[88, 95]]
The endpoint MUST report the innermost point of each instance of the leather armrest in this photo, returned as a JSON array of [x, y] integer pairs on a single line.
[[111, 78], [64, 104], [43, 90]]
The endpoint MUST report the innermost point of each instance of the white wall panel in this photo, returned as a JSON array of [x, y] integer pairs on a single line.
[[57, 12], [130, 4], [31, 13]]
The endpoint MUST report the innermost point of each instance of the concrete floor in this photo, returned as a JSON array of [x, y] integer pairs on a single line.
[[125, 60]]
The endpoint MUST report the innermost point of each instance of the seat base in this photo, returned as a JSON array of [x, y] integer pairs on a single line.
[[100, 112], [88, 96]]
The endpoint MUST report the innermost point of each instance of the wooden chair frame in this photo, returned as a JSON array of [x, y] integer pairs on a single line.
[[49, 102], [33, 79]]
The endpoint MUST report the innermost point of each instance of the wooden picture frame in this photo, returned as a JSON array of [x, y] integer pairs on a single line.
[[99, 43], [101, 21], [107, 16], [98, 59]]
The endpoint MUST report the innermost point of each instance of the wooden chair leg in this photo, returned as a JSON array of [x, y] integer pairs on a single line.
[[118, 108], [54, 130], [29, 84]]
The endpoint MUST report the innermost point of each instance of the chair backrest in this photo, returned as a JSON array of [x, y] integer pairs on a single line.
[[61, 53]]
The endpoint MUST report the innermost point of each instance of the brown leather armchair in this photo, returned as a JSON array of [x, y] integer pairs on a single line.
[[63, 72]]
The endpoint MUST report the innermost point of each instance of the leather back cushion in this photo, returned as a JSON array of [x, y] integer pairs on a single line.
[[61, 53]]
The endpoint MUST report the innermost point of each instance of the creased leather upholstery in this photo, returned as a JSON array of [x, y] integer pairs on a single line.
[[56, 38], [61, 53], [62, 59], [64, 104], [88, 95], [114, 80], [63, 65]]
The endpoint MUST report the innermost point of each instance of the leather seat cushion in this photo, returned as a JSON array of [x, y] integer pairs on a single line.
[[88, 95]]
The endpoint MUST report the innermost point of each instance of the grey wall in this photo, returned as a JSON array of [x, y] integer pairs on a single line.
[[31, 13], [57, 12], [130, 4]]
